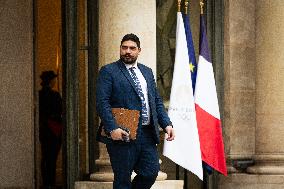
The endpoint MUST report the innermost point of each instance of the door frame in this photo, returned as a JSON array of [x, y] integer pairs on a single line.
[[70, 93], [70, 67]]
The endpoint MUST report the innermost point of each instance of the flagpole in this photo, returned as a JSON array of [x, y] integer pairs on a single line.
[[179, 2], [205, 176], [177, 166], [185, 179], [186, 6], [201, 7]]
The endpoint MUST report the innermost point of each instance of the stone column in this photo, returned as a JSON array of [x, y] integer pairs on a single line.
[[239, 83], [105, 173], [117, 19], [17, 168], [266, 143], [269, 88]]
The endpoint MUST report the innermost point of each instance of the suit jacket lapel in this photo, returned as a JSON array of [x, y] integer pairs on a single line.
[[126, 74]]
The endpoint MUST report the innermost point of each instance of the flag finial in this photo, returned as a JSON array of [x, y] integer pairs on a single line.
[[179, 2], [201, 6], [186, 6]]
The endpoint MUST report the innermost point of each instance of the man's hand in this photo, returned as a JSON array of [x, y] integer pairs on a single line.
[[118, 134], [171, 133]]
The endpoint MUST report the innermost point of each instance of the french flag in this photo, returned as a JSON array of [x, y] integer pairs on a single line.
[[207, 108]]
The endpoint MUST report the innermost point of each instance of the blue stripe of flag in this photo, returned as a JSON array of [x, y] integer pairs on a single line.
[[203, 44], [190, 47]]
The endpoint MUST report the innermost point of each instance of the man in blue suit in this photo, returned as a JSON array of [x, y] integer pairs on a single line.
[[131, 85]]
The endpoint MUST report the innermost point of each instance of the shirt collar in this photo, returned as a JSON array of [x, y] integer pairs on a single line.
[[131, 65]]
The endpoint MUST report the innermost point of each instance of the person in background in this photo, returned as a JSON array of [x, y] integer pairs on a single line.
[[50, 127]]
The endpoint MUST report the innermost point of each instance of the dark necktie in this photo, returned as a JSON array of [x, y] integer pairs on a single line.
[[145, 116]]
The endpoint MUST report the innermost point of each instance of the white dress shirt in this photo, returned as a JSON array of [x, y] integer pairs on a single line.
[[143, 84]]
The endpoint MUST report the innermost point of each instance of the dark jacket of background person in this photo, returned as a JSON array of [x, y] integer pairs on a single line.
[[50, 127]]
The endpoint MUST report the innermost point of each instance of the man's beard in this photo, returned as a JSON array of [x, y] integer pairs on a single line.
[[128, 59]]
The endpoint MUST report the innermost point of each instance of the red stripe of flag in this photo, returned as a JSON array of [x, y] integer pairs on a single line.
[[211, 141]]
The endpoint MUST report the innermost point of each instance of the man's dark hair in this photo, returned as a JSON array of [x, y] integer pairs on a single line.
[[131, 37]]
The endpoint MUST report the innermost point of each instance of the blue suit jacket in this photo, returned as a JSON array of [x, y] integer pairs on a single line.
[[116, 89]]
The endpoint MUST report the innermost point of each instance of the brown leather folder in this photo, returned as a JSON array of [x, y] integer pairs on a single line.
[[126, 118]]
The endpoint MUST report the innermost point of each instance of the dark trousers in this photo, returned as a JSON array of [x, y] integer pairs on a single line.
[[50, 148], [140, 156]]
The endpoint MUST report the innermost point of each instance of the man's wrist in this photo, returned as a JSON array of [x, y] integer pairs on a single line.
[[109, 133], [165, 129]]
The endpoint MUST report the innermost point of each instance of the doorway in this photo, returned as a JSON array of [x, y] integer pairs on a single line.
[[48, 56], [65, 34]]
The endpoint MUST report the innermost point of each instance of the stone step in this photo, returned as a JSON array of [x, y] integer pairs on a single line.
[[165, 184]]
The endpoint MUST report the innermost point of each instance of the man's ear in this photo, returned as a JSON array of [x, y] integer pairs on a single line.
[[139, 50]]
